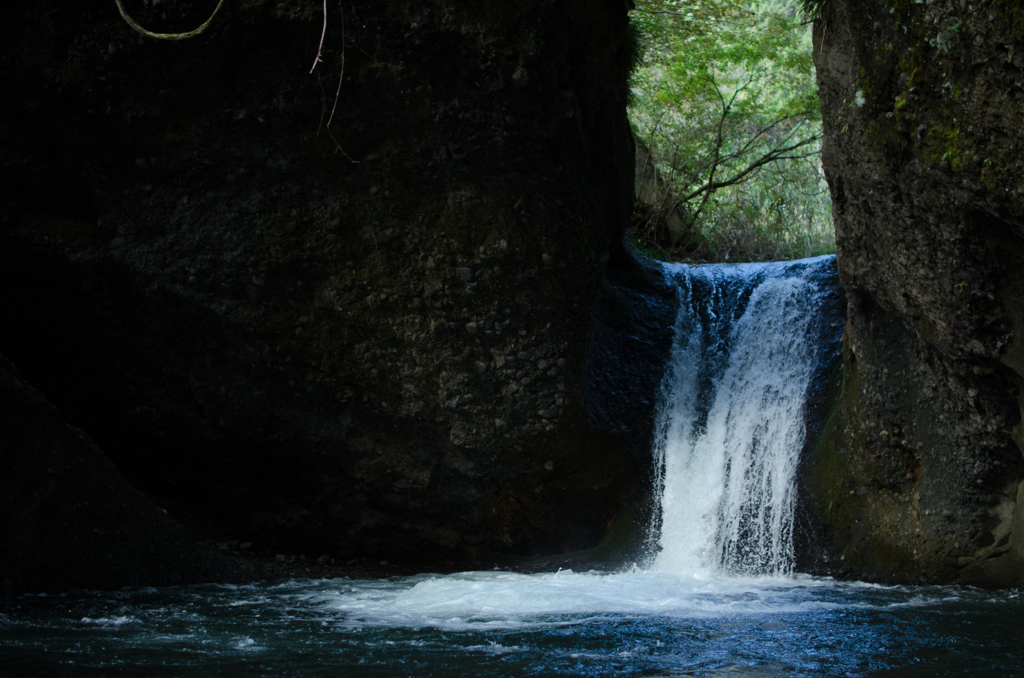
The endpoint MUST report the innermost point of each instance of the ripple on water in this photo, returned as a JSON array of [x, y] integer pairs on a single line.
[[499, 623]]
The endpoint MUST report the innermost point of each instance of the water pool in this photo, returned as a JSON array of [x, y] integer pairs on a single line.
[[507, 624]]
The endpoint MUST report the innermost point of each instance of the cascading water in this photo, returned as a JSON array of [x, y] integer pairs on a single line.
[[729, 432], [731, 425]]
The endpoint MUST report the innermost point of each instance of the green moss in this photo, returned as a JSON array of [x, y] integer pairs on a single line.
[[919, 103], [947, 146], [992, 176], [880, 555], [1009, 18], [827, 467]]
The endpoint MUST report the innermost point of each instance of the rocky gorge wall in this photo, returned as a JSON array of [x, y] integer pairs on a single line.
[[918, 476], [368, 340], [416, 336]]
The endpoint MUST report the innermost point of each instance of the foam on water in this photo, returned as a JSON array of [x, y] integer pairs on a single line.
[[482, 601], [496, 623]]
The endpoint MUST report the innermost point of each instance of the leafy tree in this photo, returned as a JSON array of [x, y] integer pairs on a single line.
[[725, 109]]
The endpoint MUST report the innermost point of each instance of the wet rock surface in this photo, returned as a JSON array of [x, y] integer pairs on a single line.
[[917, 473], [367, 340]]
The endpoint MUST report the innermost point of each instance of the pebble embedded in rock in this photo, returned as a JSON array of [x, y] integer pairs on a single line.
[[472, 328], [520, 77]]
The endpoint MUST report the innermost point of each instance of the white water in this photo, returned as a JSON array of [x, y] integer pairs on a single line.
[[731, 426], [730, 429], [481, 601], [729, 432]]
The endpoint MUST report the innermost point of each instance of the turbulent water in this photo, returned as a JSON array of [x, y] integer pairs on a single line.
[[731, 424], [715, 599], [502, 624]]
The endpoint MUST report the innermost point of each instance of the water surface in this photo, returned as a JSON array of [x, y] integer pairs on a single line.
[[506, 624]]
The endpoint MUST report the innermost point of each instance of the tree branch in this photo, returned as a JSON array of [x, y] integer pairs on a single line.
[[710, 186]]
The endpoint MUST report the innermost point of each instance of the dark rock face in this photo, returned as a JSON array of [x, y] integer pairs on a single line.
[[69, 518], [917, 477], [368, 339], [630, 341], [822, 395]]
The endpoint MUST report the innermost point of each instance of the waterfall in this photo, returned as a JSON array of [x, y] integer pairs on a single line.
[[730, 425]]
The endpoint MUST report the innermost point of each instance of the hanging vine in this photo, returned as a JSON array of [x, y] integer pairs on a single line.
[[166, 36]]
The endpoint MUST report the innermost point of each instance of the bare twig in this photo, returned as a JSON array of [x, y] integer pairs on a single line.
[[166, 36], [342, 150], [320, 48], [341, 77], [337, 92]]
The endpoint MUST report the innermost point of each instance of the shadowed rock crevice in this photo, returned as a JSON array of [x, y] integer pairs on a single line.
[[70, 519]]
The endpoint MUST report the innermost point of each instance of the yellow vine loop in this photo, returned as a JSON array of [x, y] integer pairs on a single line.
[[166, 36]]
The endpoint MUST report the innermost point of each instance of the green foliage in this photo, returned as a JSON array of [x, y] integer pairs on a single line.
[[812, 9], [650, 249], [726, 104], [634, 46], [631, 53]]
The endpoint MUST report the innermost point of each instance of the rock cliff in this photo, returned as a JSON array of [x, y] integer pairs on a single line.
[[918, 476], [69, 518], [355, 323]]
